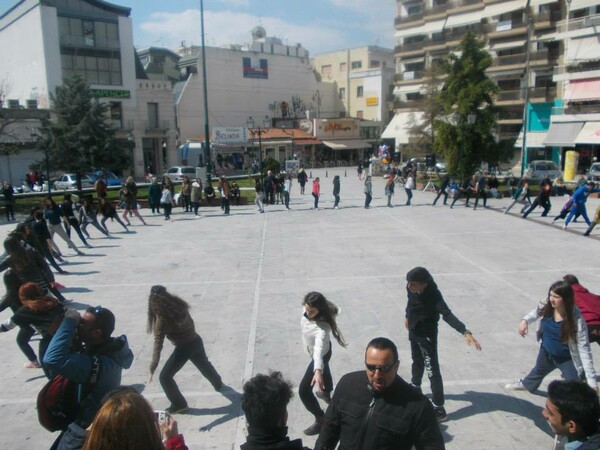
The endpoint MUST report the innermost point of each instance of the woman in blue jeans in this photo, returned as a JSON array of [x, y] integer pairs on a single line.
[[169, 316], [564, 340]]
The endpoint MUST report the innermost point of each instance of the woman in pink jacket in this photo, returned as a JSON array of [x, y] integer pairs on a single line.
[[316, 192]]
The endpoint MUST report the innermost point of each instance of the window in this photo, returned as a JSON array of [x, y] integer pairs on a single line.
[[416, 9], [375, 63], [88, 33], [359, 91], [356, 64], [342, 93], [343, 67], [414, 96], [152, 116], [326, 70], [94, 66], [116, 115], [359, 114]]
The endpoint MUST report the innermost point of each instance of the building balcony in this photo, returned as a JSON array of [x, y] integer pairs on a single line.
[[157, 126], [409, 75], [546, 19], [413, 47], [505, 28], [450, 6], [580, 23]]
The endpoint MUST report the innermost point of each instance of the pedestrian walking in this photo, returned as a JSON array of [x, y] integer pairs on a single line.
[[359, 171], [225, 191], [169, 316], [166, 201], [564, 340], [259, 200], [423, 310], [368, 191], [154, 194], [9, 200], [287, 189], [318, 322], [269, 188], [389, 188], [336, 191], [316, 192], [185, 193], [196, 195], [302, 179], [409, 186], [480, 191]]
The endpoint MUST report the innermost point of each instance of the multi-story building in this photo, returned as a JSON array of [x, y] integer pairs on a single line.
[[160, 63], [263, 78], [521, 36], [92, 38], [363, 78]]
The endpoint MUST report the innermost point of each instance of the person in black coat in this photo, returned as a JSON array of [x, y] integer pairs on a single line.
[[9, 200], [423, 310], [443, 190], [542, 199]]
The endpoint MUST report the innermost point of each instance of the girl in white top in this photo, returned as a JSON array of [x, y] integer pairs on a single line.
[[318, 322]]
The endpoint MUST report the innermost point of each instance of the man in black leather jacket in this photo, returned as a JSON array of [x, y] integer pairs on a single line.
[[378, 410]]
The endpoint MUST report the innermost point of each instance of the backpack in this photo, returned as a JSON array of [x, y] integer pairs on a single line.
[[58, 401]]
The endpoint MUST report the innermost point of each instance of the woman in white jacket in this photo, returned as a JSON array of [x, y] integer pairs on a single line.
[[564, 340], [318, 322]]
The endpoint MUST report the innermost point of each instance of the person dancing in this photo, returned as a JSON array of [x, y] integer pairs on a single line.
[[169, 316], [318, 322]]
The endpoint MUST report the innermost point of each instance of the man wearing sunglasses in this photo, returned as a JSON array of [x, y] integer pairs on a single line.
[[375, 409], [96, 365]]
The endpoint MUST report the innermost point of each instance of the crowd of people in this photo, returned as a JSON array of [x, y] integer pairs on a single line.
[[368, 408]]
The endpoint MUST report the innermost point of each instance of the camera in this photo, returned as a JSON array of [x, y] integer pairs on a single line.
[[161, 416]]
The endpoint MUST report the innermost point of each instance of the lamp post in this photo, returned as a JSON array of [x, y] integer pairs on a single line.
[[259, 131], [131, 142], [164, 156], [205, 89]]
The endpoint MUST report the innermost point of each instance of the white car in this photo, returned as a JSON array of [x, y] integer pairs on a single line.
[[69, 181], [176, 173]]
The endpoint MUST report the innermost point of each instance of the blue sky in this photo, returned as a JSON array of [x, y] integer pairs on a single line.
[[319, 25]]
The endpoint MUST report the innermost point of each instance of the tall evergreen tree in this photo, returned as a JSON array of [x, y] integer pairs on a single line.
[[79, 138], [467, 91]]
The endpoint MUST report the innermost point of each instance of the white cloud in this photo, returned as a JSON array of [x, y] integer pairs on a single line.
[[236, 3], [227, 27]]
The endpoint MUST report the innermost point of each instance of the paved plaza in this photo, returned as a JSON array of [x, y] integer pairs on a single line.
[[245, 276]]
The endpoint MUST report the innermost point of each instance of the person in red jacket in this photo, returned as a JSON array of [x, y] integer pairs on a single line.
[[589, 305]]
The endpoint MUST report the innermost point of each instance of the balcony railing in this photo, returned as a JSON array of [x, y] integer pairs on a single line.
[[159, 125], [508, 95], [410, 75], [578, 24], [547, 16], [69, 40], [505, 25]]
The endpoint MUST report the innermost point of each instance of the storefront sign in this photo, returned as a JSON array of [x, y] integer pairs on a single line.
[[372, 101], [222, 135], [111, 93]]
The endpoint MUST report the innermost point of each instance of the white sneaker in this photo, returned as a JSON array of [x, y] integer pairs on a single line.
[[518, 386], [564, 227]]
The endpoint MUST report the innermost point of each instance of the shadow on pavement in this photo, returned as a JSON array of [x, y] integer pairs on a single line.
[[485, 402], [229, 412]]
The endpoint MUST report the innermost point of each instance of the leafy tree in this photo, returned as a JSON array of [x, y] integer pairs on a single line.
[[467, 91], [79, 139]]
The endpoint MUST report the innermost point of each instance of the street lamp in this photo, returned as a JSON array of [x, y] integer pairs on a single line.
[[131, 142], [164, 156], [259, 131]]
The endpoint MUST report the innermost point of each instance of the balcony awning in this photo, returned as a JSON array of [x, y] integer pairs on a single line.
[[497, 9], [400, 125], [408, 32], [460, 20], [580, 90], [347, 144], [589, 134], [408, 88], [435, 26], [505, 45], [535, 139], [541, 2], [584, 49], [580, 4], [563, 134]]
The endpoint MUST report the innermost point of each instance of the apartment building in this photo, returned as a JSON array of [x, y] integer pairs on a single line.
[[363, 78], [92, 38], [529, 42]]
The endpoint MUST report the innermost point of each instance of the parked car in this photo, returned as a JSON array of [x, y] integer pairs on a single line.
[[69, 181], [539, 169], [110, 178], [176, 173], [594, 172]]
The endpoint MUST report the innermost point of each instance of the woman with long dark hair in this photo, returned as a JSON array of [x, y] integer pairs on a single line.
[[108, 211], [169, 316], [318, 322], [564, 340]]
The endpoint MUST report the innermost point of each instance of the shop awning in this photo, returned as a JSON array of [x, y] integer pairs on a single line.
[[497, 9], [563, 134], [589, 134], [347, 144], [505, 45], [400, 125], [460, 20], [408, 88], [535, 139], [580, 90]]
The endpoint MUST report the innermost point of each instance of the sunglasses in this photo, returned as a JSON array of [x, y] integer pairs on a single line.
[[383, 369]]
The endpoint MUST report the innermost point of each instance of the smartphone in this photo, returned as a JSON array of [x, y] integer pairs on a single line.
[[161, 416]]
